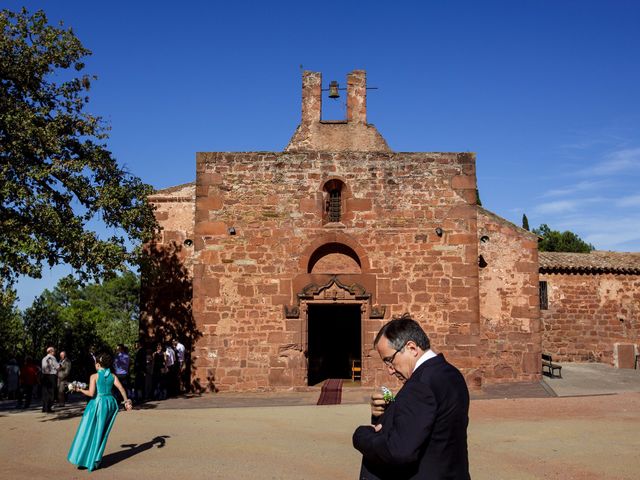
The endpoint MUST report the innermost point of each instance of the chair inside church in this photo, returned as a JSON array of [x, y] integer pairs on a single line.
[[356, 370]]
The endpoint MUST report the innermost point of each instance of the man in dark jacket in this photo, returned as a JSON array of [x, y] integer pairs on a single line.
[[422, 433]]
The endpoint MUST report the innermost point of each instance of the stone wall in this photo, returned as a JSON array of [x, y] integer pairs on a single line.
[[509, 310], [175, 212], [260, 224], [167, 270], [589, 313]]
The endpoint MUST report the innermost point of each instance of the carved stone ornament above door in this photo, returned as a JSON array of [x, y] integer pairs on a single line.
[[334, 291]]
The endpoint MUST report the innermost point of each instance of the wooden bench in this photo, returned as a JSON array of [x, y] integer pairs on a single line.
[[550, 367]]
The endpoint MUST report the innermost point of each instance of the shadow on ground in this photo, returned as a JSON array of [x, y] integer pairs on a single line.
[[131, 449]]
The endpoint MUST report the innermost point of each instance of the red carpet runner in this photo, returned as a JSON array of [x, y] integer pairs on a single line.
[[331, 392]]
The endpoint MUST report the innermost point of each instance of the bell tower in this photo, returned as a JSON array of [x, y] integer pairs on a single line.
[[351, 134]]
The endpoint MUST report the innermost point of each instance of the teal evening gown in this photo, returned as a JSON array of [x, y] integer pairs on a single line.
[[97, 420]]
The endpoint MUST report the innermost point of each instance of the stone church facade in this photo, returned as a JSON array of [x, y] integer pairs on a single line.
[[292, 261]]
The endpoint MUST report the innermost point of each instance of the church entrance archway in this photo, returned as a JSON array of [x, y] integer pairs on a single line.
[[334, 340]]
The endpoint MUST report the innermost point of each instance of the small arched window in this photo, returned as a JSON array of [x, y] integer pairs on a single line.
[[333, 210]]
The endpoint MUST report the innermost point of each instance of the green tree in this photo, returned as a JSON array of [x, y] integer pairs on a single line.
[[11, 329], [56, 174], [78, 318], [525, 222], [42, 325], [555, 241], [115, 308], [478, 201]]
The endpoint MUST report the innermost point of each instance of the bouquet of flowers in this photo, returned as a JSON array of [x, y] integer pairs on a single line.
[[75, 385], [388, 395]]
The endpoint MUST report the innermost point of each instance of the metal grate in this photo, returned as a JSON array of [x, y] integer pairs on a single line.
[[335, 206]]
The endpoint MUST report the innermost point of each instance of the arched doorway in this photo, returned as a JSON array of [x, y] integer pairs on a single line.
[[334, 340]]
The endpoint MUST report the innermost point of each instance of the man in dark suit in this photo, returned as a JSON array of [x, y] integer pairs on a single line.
[[422, 433]]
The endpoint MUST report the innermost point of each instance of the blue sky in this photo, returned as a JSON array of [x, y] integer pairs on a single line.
[[547, 93]]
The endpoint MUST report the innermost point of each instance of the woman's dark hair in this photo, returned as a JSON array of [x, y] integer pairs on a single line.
[[402, 329], [104, 359]]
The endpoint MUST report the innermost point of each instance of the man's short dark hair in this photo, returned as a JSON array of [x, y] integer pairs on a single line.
[[402, 329]]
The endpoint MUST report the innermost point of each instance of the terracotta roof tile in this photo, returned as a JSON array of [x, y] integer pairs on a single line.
[[594, 262], [178, 193]]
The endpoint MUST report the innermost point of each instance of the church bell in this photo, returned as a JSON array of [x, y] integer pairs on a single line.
[[333, 89]]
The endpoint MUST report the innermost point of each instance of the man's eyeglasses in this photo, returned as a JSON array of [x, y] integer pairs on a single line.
[[388, 361]]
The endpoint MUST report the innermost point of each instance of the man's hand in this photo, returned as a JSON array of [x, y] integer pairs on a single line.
[[378, 404]]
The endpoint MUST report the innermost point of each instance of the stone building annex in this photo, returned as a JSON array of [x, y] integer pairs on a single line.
[[278, 268]]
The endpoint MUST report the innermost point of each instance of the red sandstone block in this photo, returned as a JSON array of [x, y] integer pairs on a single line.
[[359, 204], [246, 290], [526, 267], [518, 337], [463, 182], [384, 285], [469, 196], [464, 270], [280, 299], [209, 203], [202, 191], [209, 286], [523, 312], [463, 292], [462, 239], [280, 338], [285, 287], [388, 298], [462, 340], [209, 256], [463, 317], [309, 205], [399, 286], [213, 178], [228, 381], [467, 159], [267, 289], [211, 228]]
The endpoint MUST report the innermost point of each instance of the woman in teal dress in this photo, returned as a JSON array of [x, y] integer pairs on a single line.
[[98, 417]]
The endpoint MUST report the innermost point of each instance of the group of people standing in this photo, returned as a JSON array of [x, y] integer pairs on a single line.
[[154, 372], [160, 372], [55, 378], [52, 375], [157, 373]]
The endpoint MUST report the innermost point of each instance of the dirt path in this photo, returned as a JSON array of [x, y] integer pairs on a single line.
[[553, 438]]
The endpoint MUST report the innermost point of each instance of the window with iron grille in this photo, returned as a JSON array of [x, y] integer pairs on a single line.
[[544, 299], [334, 206]]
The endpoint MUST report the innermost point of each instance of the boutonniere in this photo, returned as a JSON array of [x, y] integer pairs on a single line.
[[388, 395]]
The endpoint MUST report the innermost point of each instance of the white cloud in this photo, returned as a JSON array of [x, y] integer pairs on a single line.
[[605, 231], [630, 201], [578, 187], [560, 206], [616, 162]]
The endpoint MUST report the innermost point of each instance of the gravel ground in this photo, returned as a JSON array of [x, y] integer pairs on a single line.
[[589, 438]]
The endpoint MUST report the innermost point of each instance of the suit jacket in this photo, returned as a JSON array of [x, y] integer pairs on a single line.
[[424, 431], [64, 370]]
